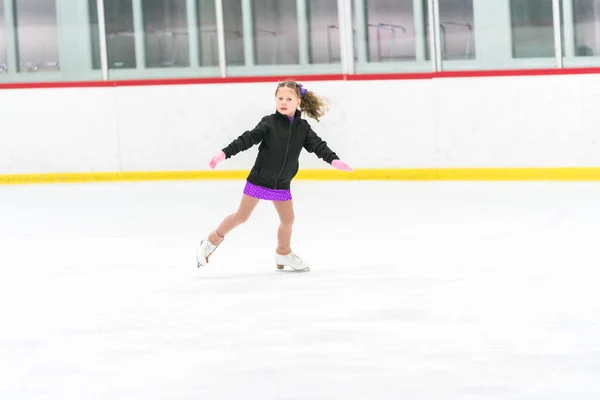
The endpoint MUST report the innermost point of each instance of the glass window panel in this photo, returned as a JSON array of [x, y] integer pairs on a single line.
[[37, 35], [120, 40], [457, 31], [275, 27], [324, 36], [166, 37], [234, 36], [390, 36], [3, 59], [586, 19], [390, 33], [234, 39], [532, 28], [208, 49], [512, 34]]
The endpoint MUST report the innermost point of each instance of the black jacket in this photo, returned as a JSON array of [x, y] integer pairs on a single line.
[[280, 145]]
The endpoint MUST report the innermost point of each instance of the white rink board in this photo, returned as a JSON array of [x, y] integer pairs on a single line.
[[533, 121]]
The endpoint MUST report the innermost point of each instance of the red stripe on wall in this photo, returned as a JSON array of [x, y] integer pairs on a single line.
[[328, 77], [517, 72]]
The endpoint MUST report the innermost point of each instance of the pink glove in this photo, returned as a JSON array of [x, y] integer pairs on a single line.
[[338, 164], [217, 159]]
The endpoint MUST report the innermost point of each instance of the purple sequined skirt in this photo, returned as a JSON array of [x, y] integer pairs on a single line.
[[262, 193]]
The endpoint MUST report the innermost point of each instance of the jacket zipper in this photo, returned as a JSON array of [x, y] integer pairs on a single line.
[[287, 149]]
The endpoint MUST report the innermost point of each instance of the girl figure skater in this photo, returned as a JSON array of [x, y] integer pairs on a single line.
[[281, 135]]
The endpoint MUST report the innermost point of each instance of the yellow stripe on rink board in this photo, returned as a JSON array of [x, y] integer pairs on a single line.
[[460, 174], [406, 174], [75, 177], [521, 174]]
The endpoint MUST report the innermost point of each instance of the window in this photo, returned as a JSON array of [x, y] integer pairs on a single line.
[[532, 28], [37, 35], [120, 40], [457, 31], [390, 30], [179, 38], [323, 30], [3, 59], [275, 31], [586, 20], [234, 32], [166, 37], [208, 48], [509, 34], [390, 35], [233, 27]]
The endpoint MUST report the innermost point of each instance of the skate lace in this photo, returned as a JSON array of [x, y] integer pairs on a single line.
[[295, 258]]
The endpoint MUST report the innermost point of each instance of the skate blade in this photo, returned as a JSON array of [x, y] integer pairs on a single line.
[[201, 265], [281, 268]]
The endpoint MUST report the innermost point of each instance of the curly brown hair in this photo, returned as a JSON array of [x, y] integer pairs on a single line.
[[312, 105]]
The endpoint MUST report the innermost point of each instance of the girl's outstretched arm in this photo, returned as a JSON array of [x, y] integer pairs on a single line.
[[247, 139], [314, 144]]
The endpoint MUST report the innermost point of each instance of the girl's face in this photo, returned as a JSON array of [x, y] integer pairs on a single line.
[[287, 101]]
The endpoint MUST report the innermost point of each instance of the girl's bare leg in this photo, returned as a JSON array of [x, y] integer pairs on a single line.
[[245, 209], [285, 209]]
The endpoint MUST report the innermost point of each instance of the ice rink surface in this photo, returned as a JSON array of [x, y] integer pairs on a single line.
[[418, 290]]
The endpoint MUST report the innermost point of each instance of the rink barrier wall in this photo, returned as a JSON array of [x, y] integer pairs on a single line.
[[300, 77], [418, 174], [501, 125]]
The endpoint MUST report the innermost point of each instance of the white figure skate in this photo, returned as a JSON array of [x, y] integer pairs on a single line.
[[291, 260], [204, 252]]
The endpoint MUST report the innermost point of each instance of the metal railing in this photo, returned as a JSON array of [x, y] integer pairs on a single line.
[[444, 37], [379, 27]]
